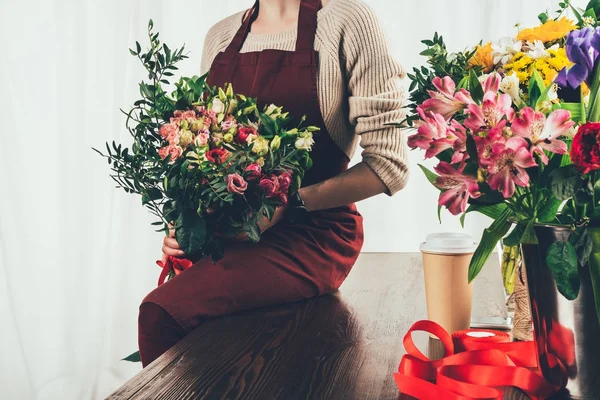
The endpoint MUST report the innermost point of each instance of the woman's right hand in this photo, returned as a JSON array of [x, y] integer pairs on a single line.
[[170, 245]]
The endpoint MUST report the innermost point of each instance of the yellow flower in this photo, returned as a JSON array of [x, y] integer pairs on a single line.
[[483, 58], [549, 31]]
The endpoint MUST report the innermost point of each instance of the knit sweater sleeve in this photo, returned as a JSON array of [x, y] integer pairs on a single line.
[[376, 96]]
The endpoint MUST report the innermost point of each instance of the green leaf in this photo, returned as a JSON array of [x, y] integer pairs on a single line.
[[190, 232], [491, 237], [583, 244], [529, 236], [269, 125], [549, 211], [253, 232], [543, 17], [536, 88], [133, 357], [564, 182], [562, 261], [514, 237], [577, 111], [577, 14], [475, 87], [430, 175]]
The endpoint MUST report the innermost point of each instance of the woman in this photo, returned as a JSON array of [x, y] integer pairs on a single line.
[[328, 60]]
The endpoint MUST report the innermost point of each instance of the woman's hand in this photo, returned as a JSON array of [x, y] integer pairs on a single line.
[[170, 245]]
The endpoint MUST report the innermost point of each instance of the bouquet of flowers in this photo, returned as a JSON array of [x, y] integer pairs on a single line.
[[501, 118], [206, 159]]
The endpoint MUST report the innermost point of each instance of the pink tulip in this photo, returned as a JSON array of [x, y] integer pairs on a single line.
[[456, 187], [509, 163], [253, 172], [285, 180], [543, 132]]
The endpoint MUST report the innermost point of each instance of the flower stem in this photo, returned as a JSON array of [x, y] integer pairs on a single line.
[[594, 109]]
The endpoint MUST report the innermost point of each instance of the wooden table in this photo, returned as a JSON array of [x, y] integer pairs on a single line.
[[344, 346]]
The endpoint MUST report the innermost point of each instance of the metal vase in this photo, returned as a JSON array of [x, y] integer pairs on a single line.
[[563, 330]]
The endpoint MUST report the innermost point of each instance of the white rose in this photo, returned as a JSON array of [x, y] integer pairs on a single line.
[[305, 142], [218, 106], [260, 146]]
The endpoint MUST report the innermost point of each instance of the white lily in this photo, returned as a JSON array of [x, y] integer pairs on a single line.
[[504, 49]]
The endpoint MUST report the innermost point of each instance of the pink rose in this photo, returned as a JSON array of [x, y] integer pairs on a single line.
[[170, 150], [178, 114], [189, 114], [175, 152], [168, 130], [202, 138], [285, 179], [253, 172], [243, 133], [173, 138], [270, 186], [163, 152], [228, 124], [236, 184]]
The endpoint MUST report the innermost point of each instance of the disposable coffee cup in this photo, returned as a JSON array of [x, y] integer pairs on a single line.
[[449, 296]]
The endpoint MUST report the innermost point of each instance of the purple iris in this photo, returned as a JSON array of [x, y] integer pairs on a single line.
[[583, 48]]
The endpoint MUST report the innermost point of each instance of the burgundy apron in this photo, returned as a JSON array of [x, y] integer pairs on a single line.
[[291, 262]]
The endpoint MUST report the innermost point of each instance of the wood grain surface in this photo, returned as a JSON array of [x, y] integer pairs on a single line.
[[343, 346]]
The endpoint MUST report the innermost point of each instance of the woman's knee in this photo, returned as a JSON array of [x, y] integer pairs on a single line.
[[157, 331]]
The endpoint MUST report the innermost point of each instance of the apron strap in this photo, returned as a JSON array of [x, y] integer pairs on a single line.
[[238, 40], [307, 27], [307, 24]]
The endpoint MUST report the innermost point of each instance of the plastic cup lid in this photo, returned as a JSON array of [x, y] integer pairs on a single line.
[[448, 243]]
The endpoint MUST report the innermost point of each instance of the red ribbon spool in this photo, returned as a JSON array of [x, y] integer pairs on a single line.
[[476, 365]]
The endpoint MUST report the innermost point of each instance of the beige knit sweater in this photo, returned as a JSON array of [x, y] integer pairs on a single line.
[[358, 82]]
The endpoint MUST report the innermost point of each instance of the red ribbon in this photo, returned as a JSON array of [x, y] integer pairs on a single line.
[[172, 265], [475, 367]]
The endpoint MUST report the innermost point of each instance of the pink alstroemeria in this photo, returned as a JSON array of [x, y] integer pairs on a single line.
[[543, 132], [494, 108], [430, 127], [485, 144], [509, 163], [456, 188], [446, 101], [456, 139]]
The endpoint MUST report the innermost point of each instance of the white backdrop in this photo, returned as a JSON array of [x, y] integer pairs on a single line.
[[76, 255]]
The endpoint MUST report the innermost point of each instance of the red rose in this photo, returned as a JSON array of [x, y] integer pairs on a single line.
[[270, 186], [217, 156], [585, 152], [285, 179], [252, 172], [243, 133]]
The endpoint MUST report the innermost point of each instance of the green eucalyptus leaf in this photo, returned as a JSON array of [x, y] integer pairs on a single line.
[[133, 357], [562, 261]]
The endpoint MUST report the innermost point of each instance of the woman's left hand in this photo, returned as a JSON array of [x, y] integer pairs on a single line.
[[264, 224]]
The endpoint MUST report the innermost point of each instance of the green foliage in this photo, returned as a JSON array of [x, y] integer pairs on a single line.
[[133, 357], [489, 240], [440, 63], [191, 190]]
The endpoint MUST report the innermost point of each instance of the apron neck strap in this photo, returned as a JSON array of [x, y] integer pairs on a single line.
[[307, 27]]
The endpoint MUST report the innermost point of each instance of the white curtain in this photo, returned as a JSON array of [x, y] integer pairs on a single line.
[[76, 255]]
